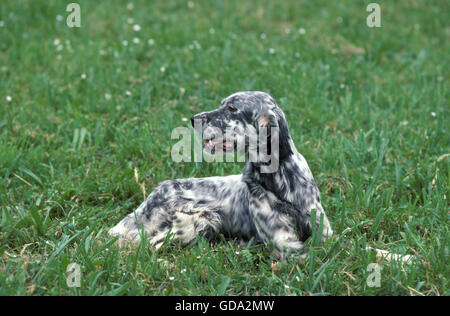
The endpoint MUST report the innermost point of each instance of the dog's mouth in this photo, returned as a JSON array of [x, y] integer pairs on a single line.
[[218, 145]]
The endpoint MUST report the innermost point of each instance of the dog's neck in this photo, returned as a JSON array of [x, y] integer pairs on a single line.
[[291, 176]]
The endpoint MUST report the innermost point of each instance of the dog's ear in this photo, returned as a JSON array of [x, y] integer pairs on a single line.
[[283, 134], [266, 119], [271, 123]]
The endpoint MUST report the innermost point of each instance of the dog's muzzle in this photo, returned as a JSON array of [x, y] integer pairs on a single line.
[[213, 141]]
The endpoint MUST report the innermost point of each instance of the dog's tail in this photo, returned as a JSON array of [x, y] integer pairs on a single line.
[[389, 256], [384, 254]]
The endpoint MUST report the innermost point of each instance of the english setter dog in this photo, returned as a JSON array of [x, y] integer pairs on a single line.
[[273, 207]]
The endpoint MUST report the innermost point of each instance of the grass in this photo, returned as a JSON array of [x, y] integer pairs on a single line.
[[367, 107]]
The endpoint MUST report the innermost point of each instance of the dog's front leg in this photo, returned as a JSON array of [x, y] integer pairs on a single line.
[[274, 227]]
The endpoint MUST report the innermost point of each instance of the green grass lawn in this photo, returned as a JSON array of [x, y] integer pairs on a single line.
[[84, 110]]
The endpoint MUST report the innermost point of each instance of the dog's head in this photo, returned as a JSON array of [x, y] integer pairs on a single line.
[[246, 122]]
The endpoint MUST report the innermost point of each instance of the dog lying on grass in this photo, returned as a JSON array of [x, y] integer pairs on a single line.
[[271, 202]]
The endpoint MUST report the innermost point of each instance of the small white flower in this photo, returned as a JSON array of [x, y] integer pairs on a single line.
[[128, 93], [125, 43], [136, 27], [263, 36], [191, 47], [2, 23], [130, 6], [301, 31], [184, 119], [116, 54], [59, 48], [136, 40], [56, 42], [151, 42], [183, 270], [59, 17], [342, 86], [271, 51], [237, 252], [297, 54], [102, 52], [287, 286], [8, 98], [433, 114], [83, 76], [198, 257], [130, 20], [171, 278], [211, 31], [162, 69], [297, 278], [182, 90], [190, 4], [107, 96]]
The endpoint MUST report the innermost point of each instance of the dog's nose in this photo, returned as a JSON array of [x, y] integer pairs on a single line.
[[192, 120]]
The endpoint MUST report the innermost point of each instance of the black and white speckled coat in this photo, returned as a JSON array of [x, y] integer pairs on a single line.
[[270, 206]]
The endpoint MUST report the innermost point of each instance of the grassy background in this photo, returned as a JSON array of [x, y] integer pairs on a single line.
[[367, 107]]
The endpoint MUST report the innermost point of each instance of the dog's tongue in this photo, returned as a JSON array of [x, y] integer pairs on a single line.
[[215, 142], [228, 144], [211, 142]]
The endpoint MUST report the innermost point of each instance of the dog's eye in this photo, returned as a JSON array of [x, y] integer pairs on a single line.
[[232, 108]]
